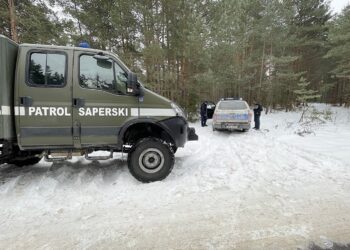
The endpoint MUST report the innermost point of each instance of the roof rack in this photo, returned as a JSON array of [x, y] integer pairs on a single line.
[[231, 99]]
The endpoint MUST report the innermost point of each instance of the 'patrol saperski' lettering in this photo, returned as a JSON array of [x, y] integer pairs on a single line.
[[63, 111], [103, 112], [48, 111]]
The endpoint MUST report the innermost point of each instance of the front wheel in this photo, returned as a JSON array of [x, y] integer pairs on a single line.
[[150, 160]]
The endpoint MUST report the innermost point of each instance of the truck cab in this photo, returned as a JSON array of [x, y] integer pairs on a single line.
[[59, 101]]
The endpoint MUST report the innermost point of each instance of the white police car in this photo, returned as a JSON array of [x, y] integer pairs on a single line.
[[232, 114]]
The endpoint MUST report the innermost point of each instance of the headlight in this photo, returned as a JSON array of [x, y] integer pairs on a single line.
[[178, 110]]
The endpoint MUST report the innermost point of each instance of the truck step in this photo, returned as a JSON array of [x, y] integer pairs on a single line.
[[60, 156], [99, 158]]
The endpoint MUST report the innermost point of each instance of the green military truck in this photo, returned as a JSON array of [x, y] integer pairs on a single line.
[[57, 102]]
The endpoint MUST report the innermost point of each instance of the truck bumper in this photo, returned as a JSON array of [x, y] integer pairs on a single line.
[[231, 126], [179, 130]]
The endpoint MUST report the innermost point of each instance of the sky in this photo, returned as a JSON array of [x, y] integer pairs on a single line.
[[338, 5]]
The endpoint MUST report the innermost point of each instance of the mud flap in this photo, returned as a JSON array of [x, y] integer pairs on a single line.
[[191, 134]]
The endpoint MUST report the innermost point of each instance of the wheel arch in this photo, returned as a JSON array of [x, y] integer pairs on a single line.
[[134, 130]]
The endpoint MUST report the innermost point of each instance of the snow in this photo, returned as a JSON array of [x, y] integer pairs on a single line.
[[261, 189]]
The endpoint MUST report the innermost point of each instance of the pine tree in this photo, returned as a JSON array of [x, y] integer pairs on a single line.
[[303, 93], [30, 22], [309, 26], [339, 83]]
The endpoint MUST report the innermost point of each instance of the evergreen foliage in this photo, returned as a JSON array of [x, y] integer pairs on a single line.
[[278, 52], [303, 93], [338, 87]]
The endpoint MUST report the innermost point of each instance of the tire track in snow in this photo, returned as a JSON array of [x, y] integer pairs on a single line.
[[278, 169]]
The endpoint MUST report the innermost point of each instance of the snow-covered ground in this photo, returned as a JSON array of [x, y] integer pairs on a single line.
[[268, 189]]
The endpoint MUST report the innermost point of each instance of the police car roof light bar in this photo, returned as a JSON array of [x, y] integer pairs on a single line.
[[232, 98]]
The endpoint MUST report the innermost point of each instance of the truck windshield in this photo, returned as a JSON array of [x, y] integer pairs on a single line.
[[232, 105]]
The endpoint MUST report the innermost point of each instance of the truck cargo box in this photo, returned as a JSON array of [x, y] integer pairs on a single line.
[[8, 56]]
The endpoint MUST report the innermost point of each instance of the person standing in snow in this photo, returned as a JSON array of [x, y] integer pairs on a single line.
[[257, 113], [204, 114]]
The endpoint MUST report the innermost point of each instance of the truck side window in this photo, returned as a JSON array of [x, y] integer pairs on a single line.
[[121, 79], [101, 74], [47, 69], [96, 74]]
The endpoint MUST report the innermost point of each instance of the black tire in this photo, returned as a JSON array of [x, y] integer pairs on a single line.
[[24, 162], [150, 160]]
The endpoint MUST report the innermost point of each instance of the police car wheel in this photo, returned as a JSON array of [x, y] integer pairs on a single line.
[[150, 160]]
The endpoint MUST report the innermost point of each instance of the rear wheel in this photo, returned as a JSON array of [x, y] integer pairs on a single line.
[[150, 160], [25, 162]]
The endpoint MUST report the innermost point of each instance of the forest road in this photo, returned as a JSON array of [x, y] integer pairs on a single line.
[[253, 190]]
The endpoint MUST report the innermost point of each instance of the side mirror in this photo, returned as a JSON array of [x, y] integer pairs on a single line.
[[134, 87]]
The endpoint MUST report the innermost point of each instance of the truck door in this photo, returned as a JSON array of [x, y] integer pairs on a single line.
[[101, 104], [43, 103]]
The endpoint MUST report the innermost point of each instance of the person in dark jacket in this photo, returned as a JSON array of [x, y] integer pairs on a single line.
[[257, 113], [204, 114]]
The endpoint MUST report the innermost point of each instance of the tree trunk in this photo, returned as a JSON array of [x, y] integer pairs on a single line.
[[78, 19], [262, 69], [13, 25]]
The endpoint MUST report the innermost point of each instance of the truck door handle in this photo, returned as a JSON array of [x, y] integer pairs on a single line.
[[26, 101], [78, 102]]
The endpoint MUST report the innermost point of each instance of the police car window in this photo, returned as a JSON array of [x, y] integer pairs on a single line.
[[47, 69], [232, 105]]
